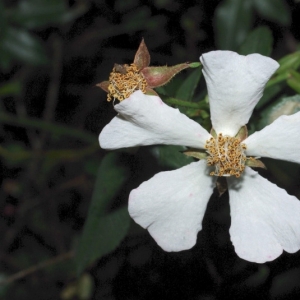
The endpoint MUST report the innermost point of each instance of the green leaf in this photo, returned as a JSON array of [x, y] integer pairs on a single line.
[[284, 106], [11, 88], [232, 22], [285, 284], [112, 174], [21, 45], [291, 61], [101, 236], [37, 13], [187, 88], [274, 10], [260, 40], [171, 156], [102, 233], [294, 80]]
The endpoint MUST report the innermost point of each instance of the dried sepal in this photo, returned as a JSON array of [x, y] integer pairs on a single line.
[[142, 56], [158, 76], [213, 133], [242, 133], [103, 85], [196, 153], [254, 163]]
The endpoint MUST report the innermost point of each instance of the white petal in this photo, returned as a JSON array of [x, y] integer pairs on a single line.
[[235, 83], [280, 140], [146, 120], [265, 219], [171, 205]]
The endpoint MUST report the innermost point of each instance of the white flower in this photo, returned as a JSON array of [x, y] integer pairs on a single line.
[[265, 220]]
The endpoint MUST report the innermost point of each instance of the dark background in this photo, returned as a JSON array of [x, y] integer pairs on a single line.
[[52, 56]]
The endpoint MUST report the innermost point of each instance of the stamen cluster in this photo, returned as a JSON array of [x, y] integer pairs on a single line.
[[227, 155], [123, 81]]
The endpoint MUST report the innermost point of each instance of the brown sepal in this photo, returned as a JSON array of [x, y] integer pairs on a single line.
[[242, 133], [255, 163], [142, 56], [158, 76], [103, 85], [195, 153], [150, 92]]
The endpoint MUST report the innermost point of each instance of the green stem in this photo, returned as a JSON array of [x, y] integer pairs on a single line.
[[47, 126], [61, 154], [40, 266]]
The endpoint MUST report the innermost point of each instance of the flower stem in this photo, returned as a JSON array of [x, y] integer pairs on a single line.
[[38, 267], [47, 126]]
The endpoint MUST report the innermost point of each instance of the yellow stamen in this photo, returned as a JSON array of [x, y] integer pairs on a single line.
[[227, 155], [123, 81]]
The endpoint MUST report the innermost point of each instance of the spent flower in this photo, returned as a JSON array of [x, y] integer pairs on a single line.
[[126, 79], [265, 219]]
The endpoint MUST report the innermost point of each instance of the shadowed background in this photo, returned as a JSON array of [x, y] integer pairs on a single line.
[[52, 54]]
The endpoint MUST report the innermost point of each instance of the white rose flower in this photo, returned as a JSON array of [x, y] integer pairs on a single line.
[[265, 219]]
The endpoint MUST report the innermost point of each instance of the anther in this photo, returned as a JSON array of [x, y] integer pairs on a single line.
[[227, 155]]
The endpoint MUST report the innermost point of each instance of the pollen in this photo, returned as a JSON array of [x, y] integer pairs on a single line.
[[123, 81], [227, 155]]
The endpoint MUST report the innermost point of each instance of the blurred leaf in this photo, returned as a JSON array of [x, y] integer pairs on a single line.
[[291, 61], [86, 287], [81, 289], [101, 236], [3, 288], [90, 166], [274, 10], [19, 44], [102, 233], [285, 106], [37, 13], [294, 80], [15, 154], [3, 21], [260, 40], [171, 156], [112, 174], [124, 6], [187, 88], [285, 283], [56, 130], [4, 57], [75, 12], [259, 277], [232, 23], [10, 89]]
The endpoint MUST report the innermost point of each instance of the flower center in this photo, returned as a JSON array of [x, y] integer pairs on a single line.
[[226, 154], [123, 81]]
